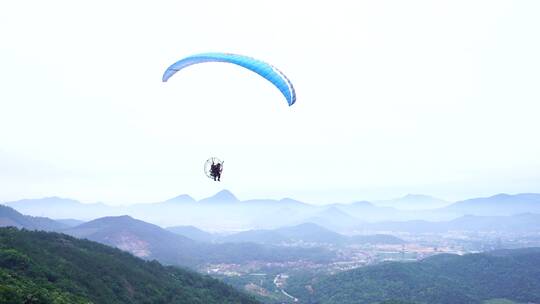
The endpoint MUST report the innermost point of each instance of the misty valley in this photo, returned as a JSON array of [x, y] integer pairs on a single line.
[[414, 249]]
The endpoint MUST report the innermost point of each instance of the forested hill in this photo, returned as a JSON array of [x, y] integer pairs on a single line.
[[442, 279], [45, 267]]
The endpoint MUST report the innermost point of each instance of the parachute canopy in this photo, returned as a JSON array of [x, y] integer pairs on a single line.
[[269, 72]]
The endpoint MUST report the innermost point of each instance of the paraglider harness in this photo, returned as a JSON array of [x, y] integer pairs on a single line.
[[213, 168], [215, 171]]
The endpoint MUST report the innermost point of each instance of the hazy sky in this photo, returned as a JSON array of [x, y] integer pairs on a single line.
[[394, 97]]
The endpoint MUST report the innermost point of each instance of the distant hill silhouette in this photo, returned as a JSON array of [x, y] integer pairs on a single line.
[[140, 238], [256, 236], [193, 233], [153, 242], [376, 239], [526, 222], [60, 208], [70, 222], [333, 218], [414, 202], [364, 210], [307, 233], [223, 196], [310, 232], [180, 199], [225, 212], [10, 217], [500, 204]]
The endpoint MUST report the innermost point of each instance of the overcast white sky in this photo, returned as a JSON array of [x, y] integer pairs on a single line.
[[394, 97]]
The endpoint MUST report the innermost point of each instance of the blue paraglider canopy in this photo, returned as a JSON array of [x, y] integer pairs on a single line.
[[269, 72]]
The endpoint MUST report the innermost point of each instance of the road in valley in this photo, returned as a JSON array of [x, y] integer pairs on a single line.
[[279, 281]]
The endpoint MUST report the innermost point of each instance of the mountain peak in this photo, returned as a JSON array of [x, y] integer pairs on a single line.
[[291, 202], [413, 201], [334, 211], [115, 219], [225, 194], [183, 198], [220, 197], [362, 204], [111, 221]]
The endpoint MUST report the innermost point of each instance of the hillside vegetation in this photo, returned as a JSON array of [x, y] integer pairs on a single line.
[[446, 279], [45, 267]]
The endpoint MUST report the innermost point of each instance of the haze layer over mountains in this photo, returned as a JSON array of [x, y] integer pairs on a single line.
[[286, 251], [225, 212]]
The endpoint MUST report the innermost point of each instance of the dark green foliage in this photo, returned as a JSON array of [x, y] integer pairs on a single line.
[[42, 267], [473, 278]]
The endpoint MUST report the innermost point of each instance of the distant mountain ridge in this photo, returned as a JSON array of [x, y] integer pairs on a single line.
[[413, 202], [182, 199], [193, 233], [333, 218], [500, 204], [225, 212], [525, 222], [69, 222], [223, 209], [304, 233], [10, 217], [307, 233], [138, 237], [59, 208], [153, 242], [223, 196]]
